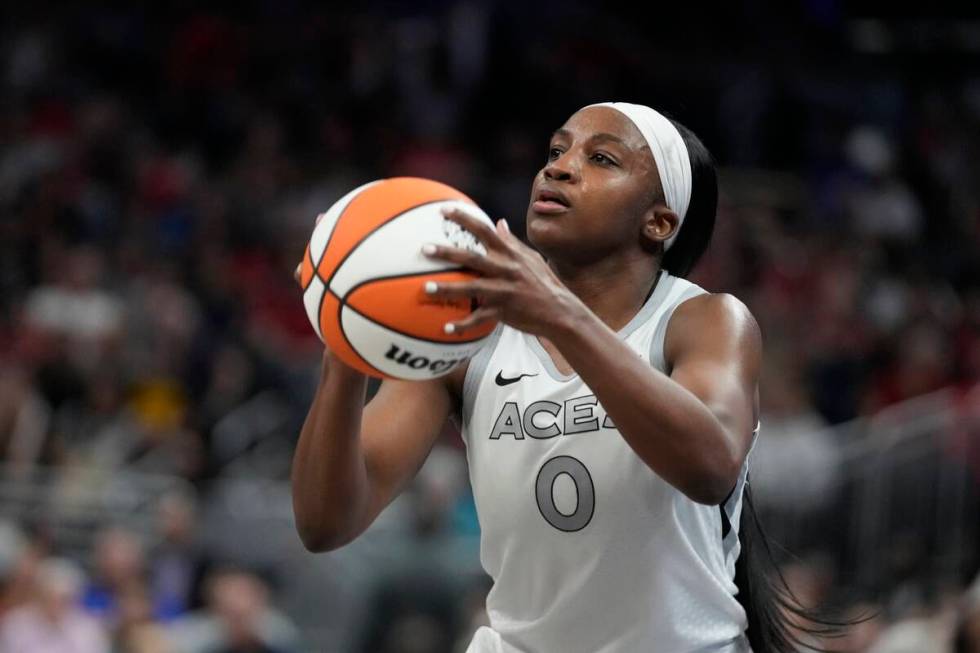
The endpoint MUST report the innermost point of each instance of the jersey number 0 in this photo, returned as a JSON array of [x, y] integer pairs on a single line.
[[584, 493]]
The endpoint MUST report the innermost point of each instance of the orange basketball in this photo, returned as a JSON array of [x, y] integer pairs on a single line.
[[363, 276]]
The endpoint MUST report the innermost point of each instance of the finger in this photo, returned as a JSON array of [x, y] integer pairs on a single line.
[[318, 218], [297, 273], [487, 290], [518, 248], [488, 266], [480, 316], [484, 232], [506, 235]]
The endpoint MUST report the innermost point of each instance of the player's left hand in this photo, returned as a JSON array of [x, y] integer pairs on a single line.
[[517, 286]]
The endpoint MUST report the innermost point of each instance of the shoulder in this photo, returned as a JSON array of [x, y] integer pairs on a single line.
[[712, 322], [715, 307]]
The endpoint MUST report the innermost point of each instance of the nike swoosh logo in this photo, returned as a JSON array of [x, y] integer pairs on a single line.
[[501, 381]]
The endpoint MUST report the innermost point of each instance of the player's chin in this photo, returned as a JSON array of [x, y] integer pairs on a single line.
[[545, 233]]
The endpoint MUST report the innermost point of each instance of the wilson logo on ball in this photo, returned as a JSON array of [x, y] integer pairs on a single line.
[[402, 357]]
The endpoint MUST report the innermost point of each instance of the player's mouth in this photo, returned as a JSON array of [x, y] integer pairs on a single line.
[[550, 202]]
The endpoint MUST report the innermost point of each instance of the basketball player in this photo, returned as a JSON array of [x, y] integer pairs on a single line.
[[607, 421]]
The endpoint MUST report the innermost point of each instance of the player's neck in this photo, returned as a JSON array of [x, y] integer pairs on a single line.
[[614, 289]]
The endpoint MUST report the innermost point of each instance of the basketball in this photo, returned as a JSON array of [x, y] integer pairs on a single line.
[[363, 277]]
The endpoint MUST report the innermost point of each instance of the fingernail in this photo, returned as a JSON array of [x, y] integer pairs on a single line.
[[450, 328], [504, 223], [428, 250], [446, 210], [431, 287]]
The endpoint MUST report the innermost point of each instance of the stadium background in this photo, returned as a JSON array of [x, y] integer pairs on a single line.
[[160, 168]]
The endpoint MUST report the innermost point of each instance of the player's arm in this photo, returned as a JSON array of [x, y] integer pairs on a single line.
[[693, 427], [351, 459]]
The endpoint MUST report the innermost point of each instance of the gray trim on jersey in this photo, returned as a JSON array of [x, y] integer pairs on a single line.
[[546, 361], [474, 373], [660, 334], [664, 283]]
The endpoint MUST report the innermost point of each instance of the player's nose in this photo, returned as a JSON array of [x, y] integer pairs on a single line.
[[561, 168]]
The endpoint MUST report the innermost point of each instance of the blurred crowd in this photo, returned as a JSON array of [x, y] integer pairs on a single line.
[[132, 600], [160, 168]]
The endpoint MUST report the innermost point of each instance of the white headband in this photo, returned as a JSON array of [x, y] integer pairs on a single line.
[[669, 153]]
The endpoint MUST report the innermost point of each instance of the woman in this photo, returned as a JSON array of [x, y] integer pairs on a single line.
[[607, 422]]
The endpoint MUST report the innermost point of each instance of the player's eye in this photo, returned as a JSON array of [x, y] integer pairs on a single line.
[[603, 159], [554, 153]]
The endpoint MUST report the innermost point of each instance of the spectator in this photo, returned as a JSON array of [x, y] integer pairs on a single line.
[[136, 629], [76, 307], [119, 569], [237, 619], [177, 564], [52, 622]]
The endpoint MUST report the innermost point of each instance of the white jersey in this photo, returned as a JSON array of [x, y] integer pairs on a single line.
[[589, 549]]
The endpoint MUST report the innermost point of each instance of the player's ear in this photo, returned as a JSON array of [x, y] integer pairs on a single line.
[[660, 223]]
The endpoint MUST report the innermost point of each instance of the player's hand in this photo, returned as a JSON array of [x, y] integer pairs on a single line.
[[516, 287]]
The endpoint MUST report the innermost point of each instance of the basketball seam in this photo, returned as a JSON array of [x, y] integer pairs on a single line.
[[323, 338], [333, 229], [343, 332], [323, 251], [319, 311], [365, 236], [394, 330], [308, 254], [326, 245], [405, 275]]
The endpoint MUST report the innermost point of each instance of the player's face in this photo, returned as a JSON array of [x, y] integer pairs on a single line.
[[592, 196]]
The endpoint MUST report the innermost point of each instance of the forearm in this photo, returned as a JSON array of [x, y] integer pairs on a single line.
[[330, 483], [672, 430]]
